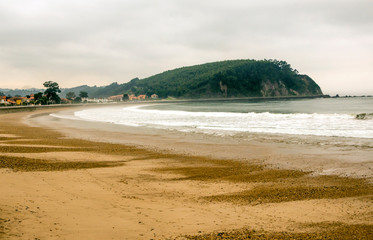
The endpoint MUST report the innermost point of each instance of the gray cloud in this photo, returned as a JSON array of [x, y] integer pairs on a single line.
[[98, 42]]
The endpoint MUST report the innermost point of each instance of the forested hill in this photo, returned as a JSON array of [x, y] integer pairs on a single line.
[[235, 78]]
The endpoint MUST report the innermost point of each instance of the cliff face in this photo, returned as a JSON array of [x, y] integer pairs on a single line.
[[278, 88], [275, 89]]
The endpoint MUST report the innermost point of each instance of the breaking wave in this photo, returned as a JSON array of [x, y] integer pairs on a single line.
[[230, 123]]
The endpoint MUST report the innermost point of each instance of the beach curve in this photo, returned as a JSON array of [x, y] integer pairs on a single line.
[[149, 183]]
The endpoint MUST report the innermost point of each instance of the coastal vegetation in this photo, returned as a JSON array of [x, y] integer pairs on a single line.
[[233, 78], [236, 78], [52, 91], [51, 95], [77, 99]]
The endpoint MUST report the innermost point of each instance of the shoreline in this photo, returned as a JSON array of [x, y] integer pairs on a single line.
[[66, 179], [321, 155], [6, 109]]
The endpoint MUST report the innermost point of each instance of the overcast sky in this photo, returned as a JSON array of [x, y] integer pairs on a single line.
[[97, 42]]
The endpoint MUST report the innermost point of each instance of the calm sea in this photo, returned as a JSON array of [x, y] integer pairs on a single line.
[[319, 117]]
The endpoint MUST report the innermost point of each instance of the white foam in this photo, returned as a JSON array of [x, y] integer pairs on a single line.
[[226, 123]]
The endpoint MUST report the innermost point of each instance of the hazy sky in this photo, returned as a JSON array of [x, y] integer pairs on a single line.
[[96, 42]]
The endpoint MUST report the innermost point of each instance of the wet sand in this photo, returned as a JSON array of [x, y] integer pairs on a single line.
[[321, 155], [68, 179]]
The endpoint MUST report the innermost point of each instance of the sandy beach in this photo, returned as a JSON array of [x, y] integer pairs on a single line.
[[70, 179]]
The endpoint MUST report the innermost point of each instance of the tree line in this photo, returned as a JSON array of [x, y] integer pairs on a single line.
[[51, 95]]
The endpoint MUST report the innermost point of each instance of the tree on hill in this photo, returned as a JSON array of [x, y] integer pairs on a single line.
[[83, 94], [52, 92], [78, 100], [125, 97], [39, 98], [38, 95], [70, 95]]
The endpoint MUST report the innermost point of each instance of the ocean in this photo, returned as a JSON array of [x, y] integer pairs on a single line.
[[328, 117]]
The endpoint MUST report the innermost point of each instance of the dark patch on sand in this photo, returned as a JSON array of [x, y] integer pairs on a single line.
[[271, 185], [36, 149], [322, 231], [278, 193], [232, 171], [29, 164]]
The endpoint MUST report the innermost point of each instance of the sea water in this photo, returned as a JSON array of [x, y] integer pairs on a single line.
[[334, 117]]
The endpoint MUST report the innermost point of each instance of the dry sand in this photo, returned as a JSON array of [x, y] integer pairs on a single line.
[[66, 179]]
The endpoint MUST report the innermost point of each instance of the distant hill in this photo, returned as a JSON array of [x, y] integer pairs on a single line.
[[95, 92], [19, 92], [84, 88], [233, 78]]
